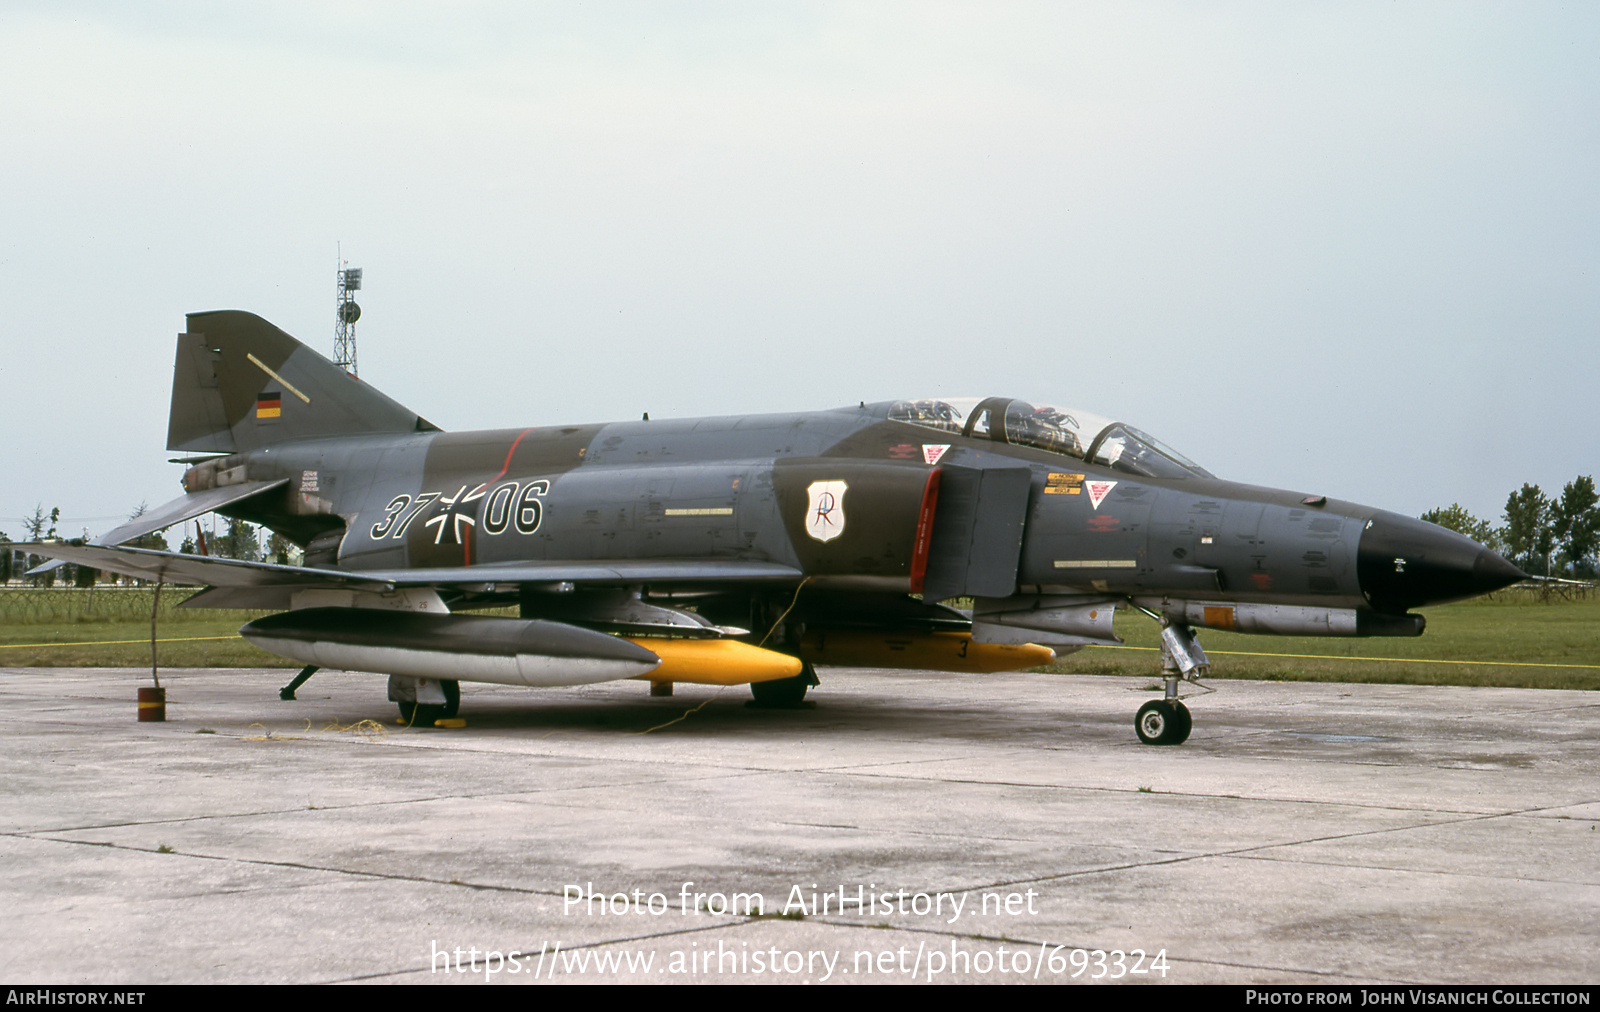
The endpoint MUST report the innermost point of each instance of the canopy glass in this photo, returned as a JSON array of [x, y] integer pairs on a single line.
[[1071, 433]]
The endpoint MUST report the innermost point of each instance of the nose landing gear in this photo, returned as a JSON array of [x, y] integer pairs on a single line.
[[1166, 721], [1163, 722]]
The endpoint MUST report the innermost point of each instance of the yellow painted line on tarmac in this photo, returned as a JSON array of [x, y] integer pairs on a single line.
[[1219, 653], [1346, 657], [97, 643]]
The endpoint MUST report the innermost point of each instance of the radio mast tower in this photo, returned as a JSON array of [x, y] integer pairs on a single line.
[[346, 313]]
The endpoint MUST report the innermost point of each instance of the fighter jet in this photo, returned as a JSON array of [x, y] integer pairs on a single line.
[[972, 535]]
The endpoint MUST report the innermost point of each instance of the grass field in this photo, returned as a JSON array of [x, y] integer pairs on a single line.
[[1503, 640], [69, 627], [1512, 639]]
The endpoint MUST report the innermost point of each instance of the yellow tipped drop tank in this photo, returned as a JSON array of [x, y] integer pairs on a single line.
[[938, 651], [715, 662]]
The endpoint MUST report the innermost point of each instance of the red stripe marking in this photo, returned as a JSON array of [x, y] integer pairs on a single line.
[[919, 547], [466, 539], [507, 465]]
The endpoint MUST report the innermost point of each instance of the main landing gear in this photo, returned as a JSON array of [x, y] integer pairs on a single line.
[[784, 693], [1166, 721], [425, 700]]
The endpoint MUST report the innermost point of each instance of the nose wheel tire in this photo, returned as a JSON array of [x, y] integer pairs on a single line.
[[1163, 722]]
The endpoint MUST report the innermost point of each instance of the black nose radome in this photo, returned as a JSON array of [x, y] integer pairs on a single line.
[[1405, 563]]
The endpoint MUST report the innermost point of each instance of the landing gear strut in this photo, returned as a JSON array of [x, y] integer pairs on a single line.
[[287, 692], [1166, 721]]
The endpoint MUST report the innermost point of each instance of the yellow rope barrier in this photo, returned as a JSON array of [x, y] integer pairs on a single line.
[[1345, 657], [684, 715], [99, 643], [792, 602], [1219, 653]]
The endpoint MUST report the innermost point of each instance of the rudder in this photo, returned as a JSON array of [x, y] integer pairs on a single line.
[[239, 383]]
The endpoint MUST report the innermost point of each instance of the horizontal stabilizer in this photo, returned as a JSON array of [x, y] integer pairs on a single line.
[[185, 507]]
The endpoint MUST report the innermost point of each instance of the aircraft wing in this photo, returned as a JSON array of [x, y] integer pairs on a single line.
[[185, 507], [173, 567], [613, 571], [238, 584]]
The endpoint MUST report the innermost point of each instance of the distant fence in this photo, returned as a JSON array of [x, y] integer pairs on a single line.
[[63, 605], [1549, 591]]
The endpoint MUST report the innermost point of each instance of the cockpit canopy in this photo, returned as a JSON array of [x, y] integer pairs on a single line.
[[1070, 433]]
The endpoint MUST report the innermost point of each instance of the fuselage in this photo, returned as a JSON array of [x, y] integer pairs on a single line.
[[846, 497], [974, 535]]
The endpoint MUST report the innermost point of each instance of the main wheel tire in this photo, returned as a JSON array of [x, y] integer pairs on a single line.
[[783, 693], [1163, 723], [421, 715]]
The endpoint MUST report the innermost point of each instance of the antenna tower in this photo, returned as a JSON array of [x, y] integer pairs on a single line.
[[346, 313]]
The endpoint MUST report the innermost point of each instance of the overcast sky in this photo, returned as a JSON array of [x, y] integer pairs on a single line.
[[1347, 248]]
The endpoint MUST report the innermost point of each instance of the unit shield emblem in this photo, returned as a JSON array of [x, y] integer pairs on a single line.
[[825, 509]]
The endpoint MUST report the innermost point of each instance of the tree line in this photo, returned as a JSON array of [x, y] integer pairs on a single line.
[[238, 540], [1545, 536], [241, 540]]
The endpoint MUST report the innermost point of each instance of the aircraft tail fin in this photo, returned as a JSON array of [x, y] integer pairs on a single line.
[[240, 383]]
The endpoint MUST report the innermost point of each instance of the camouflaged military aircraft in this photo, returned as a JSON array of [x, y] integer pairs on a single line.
[[743, 549]]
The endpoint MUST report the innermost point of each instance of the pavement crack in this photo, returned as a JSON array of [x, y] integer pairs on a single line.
[[531, 953], [1288, 859], [299, 866]]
